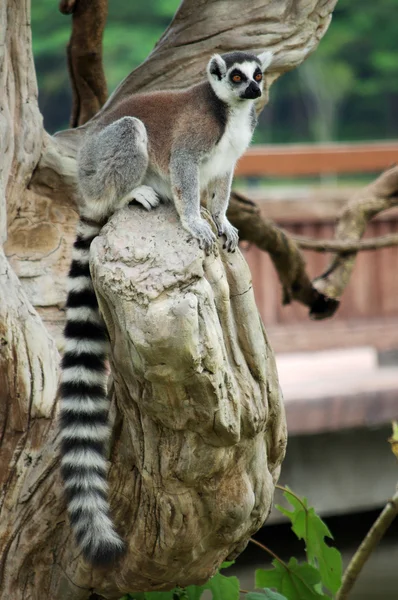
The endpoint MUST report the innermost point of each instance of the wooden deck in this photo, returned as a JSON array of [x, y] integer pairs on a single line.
[[337, 389]]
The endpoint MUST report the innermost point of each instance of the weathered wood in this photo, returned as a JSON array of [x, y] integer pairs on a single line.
[[39, 557], [28, 454], [195, 379], [292, 30], [201, 429]]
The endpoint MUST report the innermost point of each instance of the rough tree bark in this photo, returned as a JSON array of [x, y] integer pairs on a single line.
[[194, 460]]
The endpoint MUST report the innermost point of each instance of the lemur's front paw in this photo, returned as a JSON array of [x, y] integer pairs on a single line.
[[145, 195], [202, 231], [230, 232]]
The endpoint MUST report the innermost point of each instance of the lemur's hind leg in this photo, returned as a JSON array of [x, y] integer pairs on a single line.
[[111, 166]]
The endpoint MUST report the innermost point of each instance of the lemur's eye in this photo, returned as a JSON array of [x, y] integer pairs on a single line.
[[258, 77], [236, 78]]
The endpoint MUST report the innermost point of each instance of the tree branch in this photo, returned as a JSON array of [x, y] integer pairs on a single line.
[[200, 28], [367, 546], [284, 253], [84, 56], [378, 196], [323, 294], [346, 247]]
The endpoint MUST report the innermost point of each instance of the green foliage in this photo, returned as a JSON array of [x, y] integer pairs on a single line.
[[293, 580], [323, 569], [221, 587], [308, 526], [131, 33], [394, 438]]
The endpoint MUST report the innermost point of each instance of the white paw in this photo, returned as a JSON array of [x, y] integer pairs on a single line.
[[145, 195]]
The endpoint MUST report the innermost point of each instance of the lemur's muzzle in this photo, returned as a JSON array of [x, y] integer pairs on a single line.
[[252, 91]]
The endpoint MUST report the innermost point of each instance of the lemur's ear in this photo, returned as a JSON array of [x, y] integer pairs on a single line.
[[217, 67], [265, 59]]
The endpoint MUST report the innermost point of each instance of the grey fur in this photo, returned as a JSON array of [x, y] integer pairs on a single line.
[[111, 163]]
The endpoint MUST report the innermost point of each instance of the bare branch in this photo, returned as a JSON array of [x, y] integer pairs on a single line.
[[284, 253], [378, 196], [367, 546], [284, 249], [343, 247]]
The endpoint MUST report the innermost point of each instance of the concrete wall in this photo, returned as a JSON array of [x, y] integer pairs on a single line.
[[347, 471]]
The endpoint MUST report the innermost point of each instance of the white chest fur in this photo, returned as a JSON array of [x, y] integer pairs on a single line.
[[232, 145]]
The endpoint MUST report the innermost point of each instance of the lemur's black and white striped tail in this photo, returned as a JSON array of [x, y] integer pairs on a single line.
[[84, 411]]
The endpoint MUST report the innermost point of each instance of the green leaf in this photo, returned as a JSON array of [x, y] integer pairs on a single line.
[[160, 595], [221, 587], [226, 564], [194, 592], [265, 595], [293, 580], [271, 595], [308, 526]]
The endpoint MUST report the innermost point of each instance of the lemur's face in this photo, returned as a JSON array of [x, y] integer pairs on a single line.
[[238, 76]]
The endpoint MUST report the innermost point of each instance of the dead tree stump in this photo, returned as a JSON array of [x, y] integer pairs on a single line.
[[200, 424]]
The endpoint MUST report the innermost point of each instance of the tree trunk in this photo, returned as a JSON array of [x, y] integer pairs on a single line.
[[199, 430]]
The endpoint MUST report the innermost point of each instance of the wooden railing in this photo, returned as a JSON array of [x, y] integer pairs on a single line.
[[314, 159]]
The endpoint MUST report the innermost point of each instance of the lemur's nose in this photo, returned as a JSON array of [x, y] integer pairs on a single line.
[[252, 91]]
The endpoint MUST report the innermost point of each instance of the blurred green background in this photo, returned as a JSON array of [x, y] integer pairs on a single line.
[[347, 90]]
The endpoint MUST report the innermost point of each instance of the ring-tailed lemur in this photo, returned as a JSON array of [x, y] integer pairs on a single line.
[[168, 144]]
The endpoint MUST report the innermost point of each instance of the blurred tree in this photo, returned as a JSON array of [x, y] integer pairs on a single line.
[[345, 91]]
